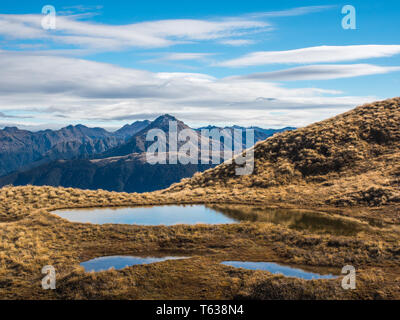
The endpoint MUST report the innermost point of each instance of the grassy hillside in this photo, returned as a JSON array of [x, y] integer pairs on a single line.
[[351, 159], [347, 166], [31, 237]]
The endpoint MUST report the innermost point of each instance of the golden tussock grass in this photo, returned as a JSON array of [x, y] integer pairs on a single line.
[[347, 166]]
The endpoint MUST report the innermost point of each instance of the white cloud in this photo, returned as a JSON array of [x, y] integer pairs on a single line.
[[66, 90], [294, 11], [174, 57], [150, 34], [314, 55], [183, 56], [40, 87], [319, 72], [186, 56], [237, 42], [194, 77]]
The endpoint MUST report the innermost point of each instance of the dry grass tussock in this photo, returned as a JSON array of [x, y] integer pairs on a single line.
[[351, 159], [346, 166], [31, 237]]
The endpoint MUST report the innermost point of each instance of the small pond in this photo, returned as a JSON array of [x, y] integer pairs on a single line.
[[313, 221], [277, 268], [146, 216], [297, 219], [120, 262]]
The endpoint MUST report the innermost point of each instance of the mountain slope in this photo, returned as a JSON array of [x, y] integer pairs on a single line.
[[129, 174], [259, 133], [21, 148], [129, 130], [138, 143], [351, 158], [122, 168]]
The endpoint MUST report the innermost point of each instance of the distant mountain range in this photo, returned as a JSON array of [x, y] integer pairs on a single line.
[[93, 158], [129, 130], [138, 144], [259, 133], [22, 149]]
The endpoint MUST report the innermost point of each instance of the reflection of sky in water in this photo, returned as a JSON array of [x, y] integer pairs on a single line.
[[120, 262], [276, 268], [159, 215], [194, 214]]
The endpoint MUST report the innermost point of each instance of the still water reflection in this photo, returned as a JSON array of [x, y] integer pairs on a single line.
[[312, 221], [277, 269], [120, 262]]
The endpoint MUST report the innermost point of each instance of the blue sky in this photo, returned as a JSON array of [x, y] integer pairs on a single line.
[[266, 63]]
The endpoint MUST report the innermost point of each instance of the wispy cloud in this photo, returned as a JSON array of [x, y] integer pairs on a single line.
[[80, 11], [150, 34], [237, 42], [299, 11], [319, 72], [314, 55], [83, 34], [186, 56], [3, 115], [81, 8], [183, 56], [85, 90]]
